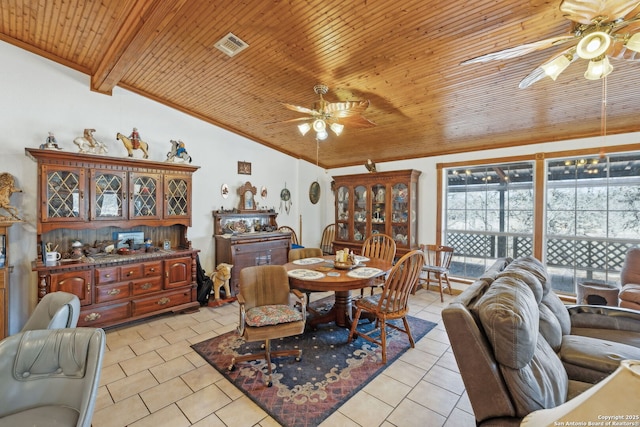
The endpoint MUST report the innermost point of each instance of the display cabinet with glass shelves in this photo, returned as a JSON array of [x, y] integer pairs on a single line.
[[380, 202]]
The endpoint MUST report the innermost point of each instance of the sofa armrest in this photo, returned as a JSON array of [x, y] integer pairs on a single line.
[[604, 317]]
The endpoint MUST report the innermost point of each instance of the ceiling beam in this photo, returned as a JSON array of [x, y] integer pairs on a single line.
[[138, 31]]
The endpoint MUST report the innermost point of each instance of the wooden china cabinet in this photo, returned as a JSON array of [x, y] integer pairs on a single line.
[[379, 202], [5, 270], [92, 198]]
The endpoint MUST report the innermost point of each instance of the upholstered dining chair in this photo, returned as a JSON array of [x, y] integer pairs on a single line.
[[301, 253], [379, 246], [437, 262], [50, 377], [294, 236], [328, 236], [391, 303], [266, 312], [55, 310]]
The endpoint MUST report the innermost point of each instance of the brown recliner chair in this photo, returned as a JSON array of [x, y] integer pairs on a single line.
[[630, 280]]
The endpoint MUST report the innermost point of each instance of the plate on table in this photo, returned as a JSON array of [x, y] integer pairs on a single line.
[[361, 258], [307, 261], [304, 274], [364, 272]]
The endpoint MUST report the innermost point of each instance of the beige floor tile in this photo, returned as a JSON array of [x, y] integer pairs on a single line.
[[120, 414], [169, 416], [203, 402], [118, 355], [111, 373], [195, 359], [148, 345], [171, 369], [229, 389], [419, 358], [338, 419], [165, 394], [202, 337], [210, 421], [434, 397], [405, 372], [142, 362], [387, 389], [269, 422], [131, 385], [179, 335], [411, 414], [204, 327], [103, 399], [117, 339], [156, 328], [241, 413], [201, 377], [465, 404], [448, 361], [459, 418], [366, 410], [180, 321], [177, 349], [430, 346], [446, 379]]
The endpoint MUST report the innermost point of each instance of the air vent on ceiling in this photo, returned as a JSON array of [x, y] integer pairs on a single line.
[[231, 44]]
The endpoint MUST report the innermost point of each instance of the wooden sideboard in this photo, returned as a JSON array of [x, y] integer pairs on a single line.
[[243, 247], [90, 198]]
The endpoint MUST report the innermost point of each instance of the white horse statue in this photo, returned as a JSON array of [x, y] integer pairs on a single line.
[[178, 150], [88, 143]]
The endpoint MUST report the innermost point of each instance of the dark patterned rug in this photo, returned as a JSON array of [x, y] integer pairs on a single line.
[[331, 371]]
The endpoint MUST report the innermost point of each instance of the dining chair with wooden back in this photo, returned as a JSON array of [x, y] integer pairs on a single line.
[[391, 303], [294, 236], [266, 312], [437, 262], [328, 236], [379, 246], [301, 253]]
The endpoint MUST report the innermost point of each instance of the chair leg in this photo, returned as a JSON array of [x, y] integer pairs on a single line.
[[267, 355], [383, 340], [446, 277], [353, 331], [440, 287], [408, 330]]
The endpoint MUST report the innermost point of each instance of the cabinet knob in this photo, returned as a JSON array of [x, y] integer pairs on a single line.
[[130, 273], [114, 292], [107, 275], [92, 317], [163, 301], [152, 270]]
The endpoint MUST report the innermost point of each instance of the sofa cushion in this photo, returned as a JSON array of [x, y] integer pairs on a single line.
[[533, 265], [527, 278], [557, 307], [595, 354], [550, 327], [509, 315]]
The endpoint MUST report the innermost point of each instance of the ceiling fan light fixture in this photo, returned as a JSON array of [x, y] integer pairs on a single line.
[[304, 128], [322, 135], [633, 43], [319, 125], [337, 128], [556, 66], [593, 45], [598, 68]]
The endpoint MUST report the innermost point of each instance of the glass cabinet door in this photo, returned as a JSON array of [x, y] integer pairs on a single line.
[[360, 213], [108, 195], [64, 190], [342, 214], [378, 208], [400, 214], [176, 193], [145, 196]]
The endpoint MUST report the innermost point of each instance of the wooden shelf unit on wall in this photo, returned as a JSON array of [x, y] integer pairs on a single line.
[[89, 198], [379, 202]]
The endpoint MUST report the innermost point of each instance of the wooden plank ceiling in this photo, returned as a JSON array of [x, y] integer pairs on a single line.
[[404, 57]]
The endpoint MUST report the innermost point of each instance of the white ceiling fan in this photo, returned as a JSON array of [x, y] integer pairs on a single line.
[[602, 29]]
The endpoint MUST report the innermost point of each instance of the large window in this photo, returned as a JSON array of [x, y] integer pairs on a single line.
[[585, 217], [489, 214], [593, 217]]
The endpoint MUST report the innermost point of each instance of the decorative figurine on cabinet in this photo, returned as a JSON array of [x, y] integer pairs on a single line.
[[7, 188], [134, 143], [178, 150], [50, 143], [89, 144]]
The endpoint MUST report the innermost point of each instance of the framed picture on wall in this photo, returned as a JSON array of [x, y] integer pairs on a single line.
[[244, 168]]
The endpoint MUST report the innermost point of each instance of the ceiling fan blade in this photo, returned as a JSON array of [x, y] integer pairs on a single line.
[[538, 73], [517, 51], [346, 108], [299, 119], [357, 122], [302, 110], [584, 11]]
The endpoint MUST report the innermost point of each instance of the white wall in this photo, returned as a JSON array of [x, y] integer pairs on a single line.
[[39, 95]]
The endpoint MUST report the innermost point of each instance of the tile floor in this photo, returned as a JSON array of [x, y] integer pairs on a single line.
[[152, 377]]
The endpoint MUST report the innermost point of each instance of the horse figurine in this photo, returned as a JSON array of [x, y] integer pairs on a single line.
[[178, 150], [89, 144], [129, 145], [221, 280], [7, 188]]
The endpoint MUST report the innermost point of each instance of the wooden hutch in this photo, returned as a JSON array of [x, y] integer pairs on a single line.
[[238, 243], [379, 202], [5, 270], [92, 198]]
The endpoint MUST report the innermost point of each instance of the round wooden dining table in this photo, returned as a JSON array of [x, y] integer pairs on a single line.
[[322, 276]]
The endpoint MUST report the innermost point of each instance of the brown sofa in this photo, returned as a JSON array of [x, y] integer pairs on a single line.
[[520, 349]]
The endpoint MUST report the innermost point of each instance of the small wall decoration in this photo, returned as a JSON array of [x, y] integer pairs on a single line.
[[224, 190], [314, 192], [247, 193], [244, 168], [263, 192], [285, 199]]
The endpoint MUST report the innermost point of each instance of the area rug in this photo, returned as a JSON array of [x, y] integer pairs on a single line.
[[304, 393]]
